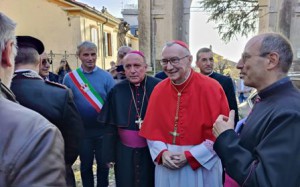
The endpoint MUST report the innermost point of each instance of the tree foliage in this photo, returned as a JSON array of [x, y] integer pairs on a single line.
[[220, 66], [233, 17]]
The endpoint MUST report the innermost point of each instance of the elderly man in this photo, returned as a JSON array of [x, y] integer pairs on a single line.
[[265, 152], [90, 86], [123, 114], [205, 62], [32, 148], [178, 122], [54, 101]]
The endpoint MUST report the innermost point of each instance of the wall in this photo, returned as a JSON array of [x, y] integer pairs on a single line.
[[61, 26], [33, 19]]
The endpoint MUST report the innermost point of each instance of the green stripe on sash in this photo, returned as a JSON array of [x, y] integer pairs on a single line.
[[89, 85]]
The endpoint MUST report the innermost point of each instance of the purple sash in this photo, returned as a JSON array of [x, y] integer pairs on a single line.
[[229, 182], [131, 138]]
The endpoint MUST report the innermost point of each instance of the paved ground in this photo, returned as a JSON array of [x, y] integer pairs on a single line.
[[78, 178]]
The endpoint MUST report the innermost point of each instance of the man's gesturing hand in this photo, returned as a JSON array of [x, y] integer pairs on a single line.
[[223, 123]]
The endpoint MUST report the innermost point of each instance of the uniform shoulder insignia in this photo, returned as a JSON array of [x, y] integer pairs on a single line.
[[56, 84]]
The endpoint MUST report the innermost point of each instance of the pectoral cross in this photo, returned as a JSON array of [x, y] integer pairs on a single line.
[[174, 134], [139, 122]]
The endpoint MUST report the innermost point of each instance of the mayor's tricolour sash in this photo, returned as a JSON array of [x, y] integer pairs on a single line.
[[86, 89]]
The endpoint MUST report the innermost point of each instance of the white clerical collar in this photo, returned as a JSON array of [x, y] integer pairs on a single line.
[[210, 73]]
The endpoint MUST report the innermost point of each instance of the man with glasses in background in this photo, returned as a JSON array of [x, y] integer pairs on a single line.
[[118, 71], [44, 69], [178, 123], [266, 152]]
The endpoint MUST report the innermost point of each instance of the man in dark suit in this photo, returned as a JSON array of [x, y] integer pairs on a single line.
[[44, 69], [161, 75], [205, 62], [53, 101]]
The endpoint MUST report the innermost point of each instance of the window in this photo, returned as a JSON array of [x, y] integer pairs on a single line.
[[94, 36], [108, 44]]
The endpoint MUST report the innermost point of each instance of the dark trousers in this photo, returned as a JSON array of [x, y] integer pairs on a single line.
[[70, 178], [90, 148]]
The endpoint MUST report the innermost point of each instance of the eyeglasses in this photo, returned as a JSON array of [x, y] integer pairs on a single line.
[[121, 55], [246, 56], [173, 61], [45, 61]]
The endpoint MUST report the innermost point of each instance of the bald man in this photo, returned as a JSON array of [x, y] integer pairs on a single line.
[[123, 114]]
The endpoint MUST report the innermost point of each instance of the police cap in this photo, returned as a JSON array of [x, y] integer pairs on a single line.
[[29, 41]]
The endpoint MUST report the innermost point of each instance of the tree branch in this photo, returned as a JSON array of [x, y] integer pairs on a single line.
[[233, 17]]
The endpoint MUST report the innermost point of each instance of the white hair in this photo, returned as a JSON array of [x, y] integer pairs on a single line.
[[7, 32]]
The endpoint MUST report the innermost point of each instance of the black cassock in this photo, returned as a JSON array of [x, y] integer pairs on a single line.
[[267, 151], [133, 165]]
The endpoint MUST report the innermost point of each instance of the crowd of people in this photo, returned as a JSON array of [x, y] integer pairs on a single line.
[[176, 129]]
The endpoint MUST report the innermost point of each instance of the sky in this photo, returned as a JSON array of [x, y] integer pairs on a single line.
[[202, 34], [114, 7]]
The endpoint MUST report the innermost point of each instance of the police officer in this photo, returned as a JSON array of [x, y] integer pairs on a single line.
[[52, 100]]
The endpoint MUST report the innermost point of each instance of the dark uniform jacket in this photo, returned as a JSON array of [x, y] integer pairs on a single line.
[[53, 77], [54, 102], [228, 88], [31, 148], [266, 154]]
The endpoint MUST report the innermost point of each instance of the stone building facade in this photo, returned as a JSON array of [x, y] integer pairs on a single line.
[[63, 24]]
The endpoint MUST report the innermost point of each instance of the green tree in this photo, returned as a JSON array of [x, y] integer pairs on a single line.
[[220, 66], [233, 17]]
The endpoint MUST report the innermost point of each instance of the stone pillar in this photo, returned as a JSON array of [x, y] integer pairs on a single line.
[[159, 22], [294, 35], [186, 20], [285, 14], [293, 7], [145, 28]]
